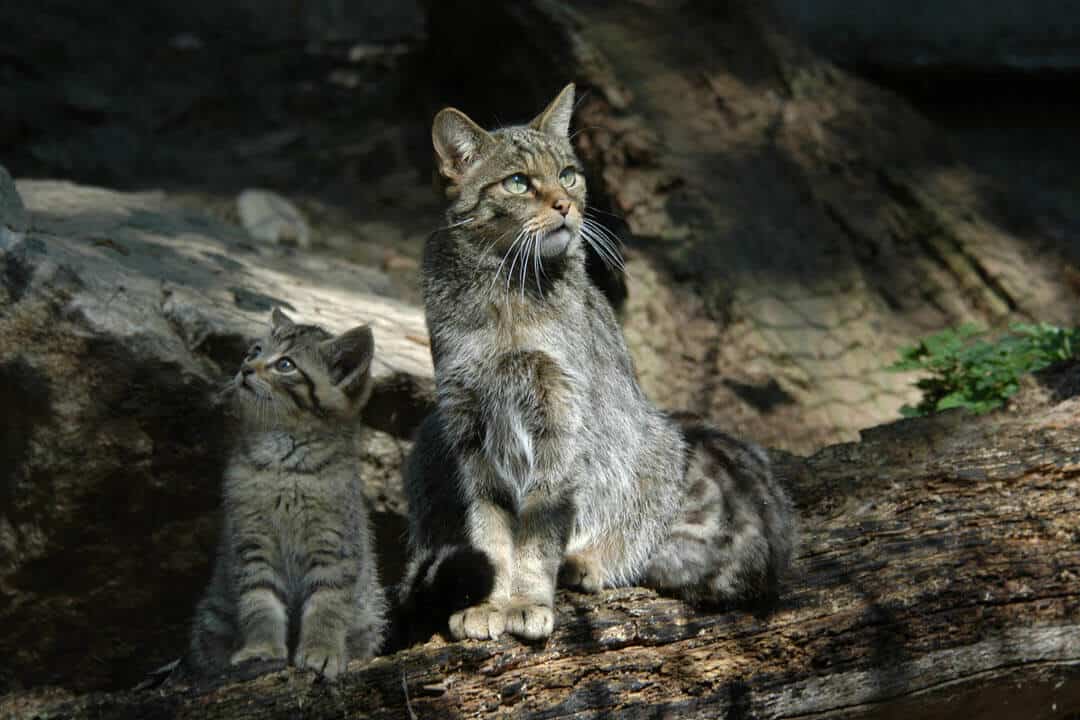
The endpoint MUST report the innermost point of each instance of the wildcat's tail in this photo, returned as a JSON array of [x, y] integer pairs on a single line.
[[735, 537], [437, 583]]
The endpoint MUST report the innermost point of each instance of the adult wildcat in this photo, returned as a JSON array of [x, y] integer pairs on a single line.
[[543, 452]]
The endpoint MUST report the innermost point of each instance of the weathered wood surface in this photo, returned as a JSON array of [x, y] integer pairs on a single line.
[[938, 577]]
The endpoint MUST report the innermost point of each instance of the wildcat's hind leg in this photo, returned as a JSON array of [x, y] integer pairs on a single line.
[[734, 536], [582, 571]]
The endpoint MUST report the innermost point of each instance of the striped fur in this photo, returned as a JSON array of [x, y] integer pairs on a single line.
[[296, 574], [544, 453]]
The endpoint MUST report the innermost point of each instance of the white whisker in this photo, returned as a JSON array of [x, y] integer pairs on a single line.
[[536, 269], [510, 249], [608, 238], [610, 257], [459, 223]]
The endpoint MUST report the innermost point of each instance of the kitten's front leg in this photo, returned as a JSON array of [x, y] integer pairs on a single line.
[[261, 609], [491, 529], [323, 630], [329, 584]]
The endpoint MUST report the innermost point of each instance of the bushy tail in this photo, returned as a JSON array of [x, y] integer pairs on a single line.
[[437, 583], [735, 537]]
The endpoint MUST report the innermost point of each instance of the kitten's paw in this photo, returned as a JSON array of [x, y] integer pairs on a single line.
[[329, 662], [532, 622], [479, 622], [260, 652], [580, 572]]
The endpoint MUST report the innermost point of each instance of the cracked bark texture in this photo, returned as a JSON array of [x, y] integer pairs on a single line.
[[938, 576], [790, 226]]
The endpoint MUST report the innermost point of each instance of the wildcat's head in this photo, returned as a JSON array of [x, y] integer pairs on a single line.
[[521, 184], [301, 373]]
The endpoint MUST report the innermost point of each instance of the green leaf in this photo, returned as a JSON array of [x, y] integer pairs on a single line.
[[965, 367]]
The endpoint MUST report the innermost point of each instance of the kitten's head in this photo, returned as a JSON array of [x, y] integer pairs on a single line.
[[518, 184], [301, 373]]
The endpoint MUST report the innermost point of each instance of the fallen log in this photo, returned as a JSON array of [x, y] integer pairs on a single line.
[[938, 575]]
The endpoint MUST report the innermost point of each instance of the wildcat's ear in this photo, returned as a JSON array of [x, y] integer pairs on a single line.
[[457, 140], [279, 320], [348, 357], [555, 120]]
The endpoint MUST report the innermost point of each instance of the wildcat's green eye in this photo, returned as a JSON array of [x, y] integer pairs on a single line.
[[516, 183], [284, 365], [568, 177]]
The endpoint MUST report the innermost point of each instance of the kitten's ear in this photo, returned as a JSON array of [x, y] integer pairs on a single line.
[[457, 140], [555, 120], [279, 320], [348, 357]]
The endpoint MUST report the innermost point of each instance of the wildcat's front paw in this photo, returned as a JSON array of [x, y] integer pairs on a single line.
[[532, 622], [479, 622], [326, 661], [580, 572], [262, 652]]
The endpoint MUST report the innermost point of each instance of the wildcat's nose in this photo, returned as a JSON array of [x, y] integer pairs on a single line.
[[562, 205], [246, 370]]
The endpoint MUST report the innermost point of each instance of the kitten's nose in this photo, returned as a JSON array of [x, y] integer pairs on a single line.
[[246, 369], [562, 205]]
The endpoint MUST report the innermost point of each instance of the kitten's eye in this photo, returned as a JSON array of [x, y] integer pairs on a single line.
[[568, 177], [254, 352], [516, 183], [284, 365]]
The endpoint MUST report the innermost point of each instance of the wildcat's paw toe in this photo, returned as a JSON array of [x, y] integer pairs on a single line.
[[480, 622], [532, 622], [580, 573], [261, 652], [328, 662]]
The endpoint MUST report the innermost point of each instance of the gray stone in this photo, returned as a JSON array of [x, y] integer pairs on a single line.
[[120, 316], [269, 217], [12, 212]]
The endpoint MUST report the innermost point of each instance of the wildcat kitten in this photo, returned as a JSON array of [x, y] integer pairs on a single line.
[[295, 569], [543, 452]]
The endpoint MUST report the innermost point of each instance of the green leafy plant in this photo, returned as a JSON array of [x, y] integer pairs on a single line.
[[968, 368]]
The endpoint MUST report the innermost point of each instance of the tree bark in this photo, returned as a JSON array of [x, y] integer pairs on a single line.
[[937, 576]]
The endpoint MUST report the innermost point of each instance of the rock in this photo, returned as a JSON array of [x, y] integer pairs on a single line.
[[120, 315], [395, 261], [12, 213], [269, 217]]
